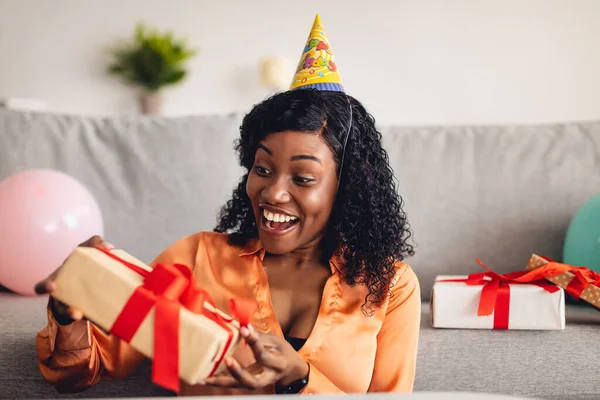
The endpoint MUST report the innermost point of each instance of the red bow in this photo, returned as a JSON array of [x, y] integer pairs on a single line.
[[168, 288], [495, 294], [583, 277]]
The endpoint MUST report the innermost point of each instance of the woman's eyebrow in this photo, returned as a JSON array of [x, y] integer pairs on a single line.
[[265, 148], [294, 158], [306, 157]]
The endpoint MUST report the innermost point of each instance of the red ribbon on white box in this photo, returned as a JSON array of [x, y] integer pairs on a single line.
[[495, 294]]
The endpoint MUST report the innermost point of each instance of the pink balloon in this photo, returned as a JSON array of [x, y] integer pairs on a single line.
[[44, 215]]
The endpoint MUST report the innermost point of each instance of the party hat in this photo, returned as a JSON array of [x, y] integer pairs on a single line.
[[317, 68]]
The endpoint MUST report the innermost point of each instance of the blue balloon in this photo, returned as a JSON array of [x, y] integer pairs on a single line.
[[582, 242]]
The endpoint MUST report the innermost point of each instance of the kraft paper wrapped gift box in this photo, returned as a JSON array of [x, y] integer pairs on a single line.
[[579, 282], [531, 307], [100, 285]]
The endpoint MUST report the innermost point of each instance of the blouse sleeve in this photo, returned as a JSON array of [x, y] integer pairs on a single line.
[[397, 342]]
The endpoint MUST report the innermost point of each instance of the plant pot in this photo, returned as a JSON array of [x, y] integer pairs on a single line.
[[151, 103]]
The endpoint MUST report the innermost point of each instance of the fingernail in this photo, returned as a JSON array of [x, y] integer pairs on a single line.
[[228, 362], [251, 327], [244, 331], [108, 246], [202, 383]]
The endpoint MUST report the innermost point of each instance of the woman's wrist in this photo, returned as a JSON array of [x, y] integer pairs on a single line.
[[295, 381]]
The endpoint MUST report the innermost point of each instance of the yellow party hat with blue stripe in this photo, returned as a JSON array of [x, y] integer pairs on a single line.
[[317, 68]]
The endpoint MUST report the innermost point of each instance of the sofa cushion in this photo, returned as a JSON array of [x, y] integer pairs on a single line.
[[561, 364], [541, 364], [20, 378]]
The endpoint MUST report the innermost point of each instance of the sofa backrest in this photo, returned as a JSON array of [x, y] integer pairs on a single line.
[[495, 193], [155, 179]]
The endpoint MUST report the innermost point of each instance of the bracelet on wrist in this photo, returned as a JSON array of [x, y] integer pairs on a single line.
[[294, 387]]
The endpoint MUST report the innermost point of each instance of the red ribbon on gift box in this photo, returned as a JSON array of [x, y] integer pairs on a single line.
[[583, 277], [495, 294], [167, 288]]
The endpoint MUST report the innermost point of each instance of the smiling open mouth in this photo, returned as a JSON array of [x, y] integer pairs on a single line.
[[278, 222]]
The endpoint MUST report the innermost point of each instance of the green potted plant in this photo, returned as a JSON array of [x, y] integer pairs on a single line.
[[151, 61]]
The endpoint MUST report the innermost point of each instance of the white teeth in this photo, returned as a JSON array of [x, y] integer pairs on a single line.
[[277, 217]]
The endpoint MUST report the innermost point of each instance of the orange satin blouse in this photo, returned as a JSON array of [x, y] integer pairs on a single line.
[[348, 352]]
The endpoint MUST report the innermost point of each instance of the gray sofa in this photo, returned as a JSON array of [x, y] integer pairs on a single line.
[[499, 193]]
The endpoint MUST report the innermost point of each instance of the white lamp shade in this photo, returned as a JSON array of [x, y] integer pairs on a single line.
[[275, 73]]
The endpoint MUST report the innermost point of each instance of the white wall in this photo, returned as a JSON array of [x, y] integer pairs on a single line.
[[409, 61]]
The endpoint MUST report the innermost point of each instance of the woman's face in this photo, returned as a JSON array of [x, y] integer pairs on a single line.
[[292, 187]]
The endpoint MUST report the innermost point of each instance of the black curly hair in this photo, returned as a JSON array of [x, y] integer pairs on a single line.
[[367, 218]]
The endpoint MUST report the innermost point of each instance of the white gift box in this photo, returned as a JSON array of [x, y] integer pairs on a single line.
[[455, 305]]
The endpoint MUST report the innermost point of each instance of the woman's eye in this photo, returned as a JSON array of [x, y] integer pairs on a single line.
[[303, 180], [261, 171]]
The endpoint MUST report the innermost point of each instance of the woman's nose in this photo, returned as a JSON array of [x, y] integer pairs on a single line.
[[276, 192]]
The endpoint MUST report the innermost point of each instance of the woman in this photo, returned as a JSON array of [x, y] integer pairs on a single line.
[[315, 233]]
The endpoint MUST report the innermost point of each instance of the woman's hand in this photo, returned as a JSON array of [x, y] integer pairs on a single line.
[[61, 312], [276, 363]]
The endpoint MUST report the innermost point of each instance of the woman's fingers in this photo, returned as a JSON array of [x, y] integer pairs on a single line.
[[253, 340], [61, 311], [75, 314], [94, 241], [97, 242], [243, 377], [46, 286], [222, 381], [265, 351]]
